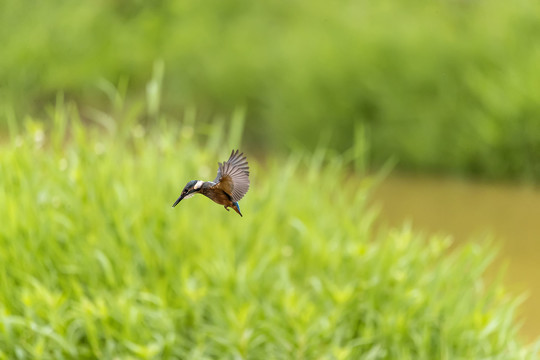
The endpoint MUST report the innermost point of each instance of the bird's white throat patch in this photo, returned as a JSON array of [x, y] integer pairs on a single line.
[[198, 184]]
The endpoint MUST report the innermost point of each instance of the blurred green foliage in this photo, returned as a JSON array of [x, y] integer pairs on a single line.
[[96, 264], [443, 86]]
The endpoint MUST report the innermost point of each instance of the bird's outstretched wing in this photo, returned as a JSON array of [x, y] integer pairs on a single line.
[[233, 176]]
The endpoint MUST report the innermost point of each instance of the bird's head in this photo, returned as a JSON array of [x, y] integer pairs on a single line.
[[191, 188]]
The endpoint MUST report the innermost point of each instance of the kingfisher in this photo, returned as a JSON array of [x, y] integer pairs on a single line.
[[229, 186]]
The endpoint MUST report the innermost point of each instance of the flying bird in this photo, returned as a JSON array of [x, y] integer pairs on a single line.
[[229, 186]]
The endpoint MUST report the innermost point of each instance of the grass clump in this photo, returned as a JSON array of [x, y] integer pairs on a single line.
[[96, 263]]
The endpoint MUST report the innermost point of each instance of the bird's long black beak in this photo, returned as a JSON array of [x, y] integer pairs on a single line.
[[178, 200]]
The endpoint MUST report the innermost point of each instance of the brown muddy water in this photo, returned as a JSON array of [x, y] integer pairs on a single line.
[[468, 210]]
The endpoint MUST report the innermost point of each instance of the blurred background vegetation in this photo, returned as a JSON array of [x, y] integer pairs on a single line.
[[446, 86], [108, 107]]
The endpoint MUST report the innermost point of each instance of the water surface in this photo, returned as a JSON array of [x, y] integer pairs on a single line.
[[511, 213]]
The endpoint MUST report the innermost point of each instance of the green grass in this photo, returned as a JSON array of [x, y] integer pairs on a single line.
[[96, 263], [444, 86]]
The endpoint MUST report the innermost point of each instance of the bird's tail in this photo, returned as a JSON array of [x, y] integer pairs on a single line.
[[236, 208]]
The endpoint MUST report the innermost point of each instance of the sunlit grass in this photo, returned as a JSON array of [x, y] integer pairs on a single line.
[[96, 263]]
